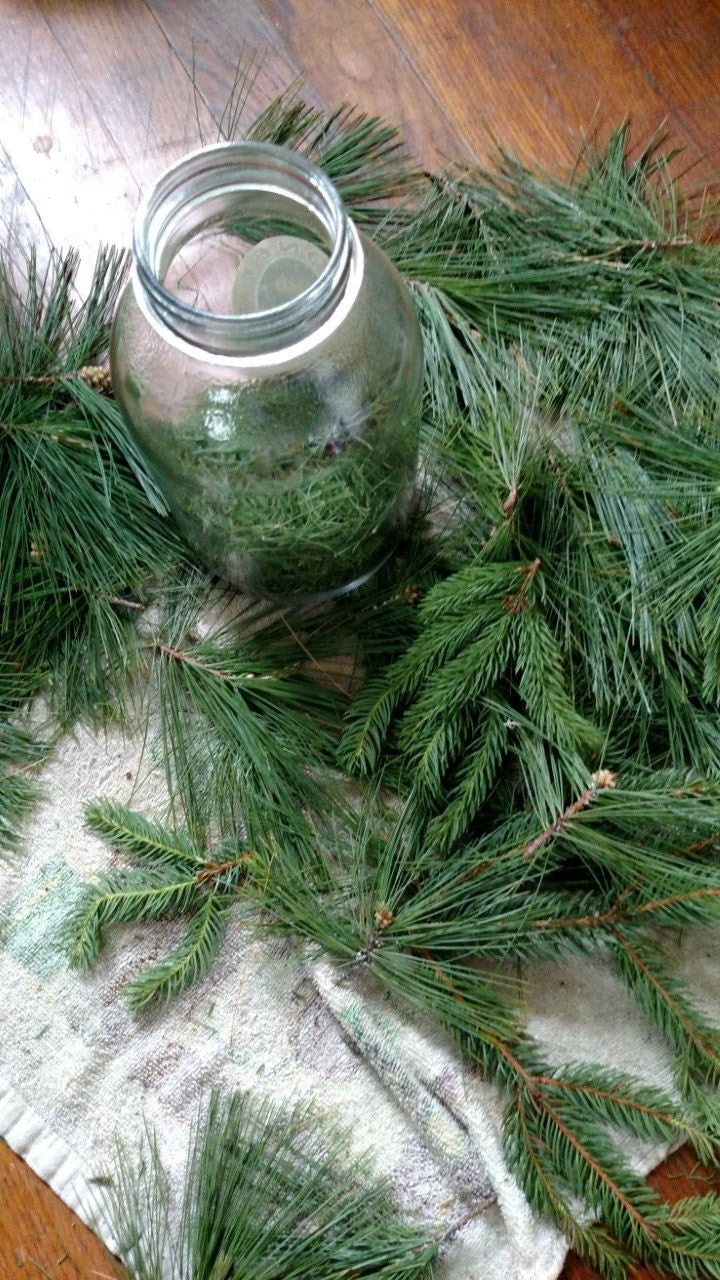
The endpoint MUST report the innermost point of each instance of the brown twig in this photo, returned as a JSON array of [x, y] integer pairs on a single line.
[[516, 603], [659, 903], [580, 922], [616, 915], [177, 655], [343, 689], [601, 781], [701, 844], [631, 1103], [560, 823], [508, 505], [688, 1027], [531, 1143], [40, 1267], [532, 1082], [37, 380], [214, 869], [446, 1236], [646, 1227], [673, 242], [535, 1084], [125, 604], [95, 375]]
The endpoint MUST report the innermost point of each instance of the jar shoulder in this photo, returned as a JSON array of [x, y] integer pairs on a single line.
[[381, 326]]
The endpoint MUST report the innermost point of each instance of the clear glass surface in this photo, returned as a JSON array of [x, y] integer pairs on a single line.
[[283, 435]]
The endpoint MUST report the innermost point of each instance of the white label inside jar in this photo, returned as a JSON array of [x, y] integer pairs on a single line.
[[274, 272]]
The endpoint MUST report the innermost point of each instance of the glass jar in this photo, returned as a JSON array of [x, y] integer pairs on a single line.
[[268, 358]]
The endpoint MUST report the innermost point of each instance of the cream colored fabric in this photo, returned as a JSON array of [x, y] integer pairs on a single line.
[[76, 1068]]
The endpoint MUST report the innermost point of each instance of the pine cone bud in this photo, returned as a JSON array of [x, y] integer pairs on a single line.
[[604, 779], [97, 376], [383, 917]]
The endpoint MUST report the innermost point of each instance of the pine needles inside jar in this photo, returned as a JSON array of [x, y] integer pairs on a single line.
[[295, 498]]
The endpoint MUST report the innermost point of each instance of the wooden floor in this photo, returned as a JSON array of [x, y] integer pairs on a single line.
[[96, 98]]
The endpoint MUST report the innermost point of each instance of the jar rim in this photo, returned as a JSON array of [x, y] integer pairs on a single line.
[[232, 168]]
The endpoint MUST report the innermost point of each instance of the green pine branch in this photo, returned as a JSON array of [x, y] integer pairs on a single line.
[[558, 1140], [190, 961], [268, 1192], [694, 1040], [362, 155], [603, 254], [176, 877], [79, 515], [246, 731], [484, 679], [573, 435], [21, 752], [410, 921], [548, 711]]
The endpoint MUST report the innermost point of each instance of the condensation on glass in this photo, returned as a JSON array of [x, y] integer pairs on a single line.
[[268, 358]]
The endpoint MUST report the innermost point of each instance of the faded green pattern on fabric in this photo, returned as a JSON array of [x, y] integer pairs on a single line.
[[33, 922], [86, 1068]]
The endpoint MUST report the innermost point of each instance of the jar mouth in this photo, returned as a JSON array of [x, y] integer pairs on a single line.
[[255, 185]]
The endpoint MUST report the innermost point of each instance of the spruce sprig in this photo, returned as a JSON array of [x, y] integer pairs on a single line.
[[558, 1141], [410, 921], [175, 877], [694, 1040]]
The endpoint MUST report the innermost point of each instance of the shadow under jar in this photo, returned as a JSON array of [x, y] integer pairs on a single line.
[[268, 359]]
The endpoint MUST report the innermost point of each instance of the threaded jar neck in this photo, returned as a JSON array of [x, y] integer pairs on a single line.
[[242, 188]]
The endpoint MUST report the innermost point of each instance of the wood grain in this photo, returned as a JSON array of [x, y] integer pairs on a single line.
[[341, 48], [675, 46], [532, 76], [213, 39], [112, 107], [98, 97], [40, 1238], [346, 49]]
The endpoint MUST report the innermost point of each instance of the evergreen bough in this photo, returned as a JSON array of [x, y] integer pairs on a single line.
[[269, 1195], [538, 679]]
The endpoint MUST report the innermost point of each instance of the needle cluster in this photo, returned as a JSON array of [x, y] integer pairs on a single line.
[[538, 684], [269, 1193]]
